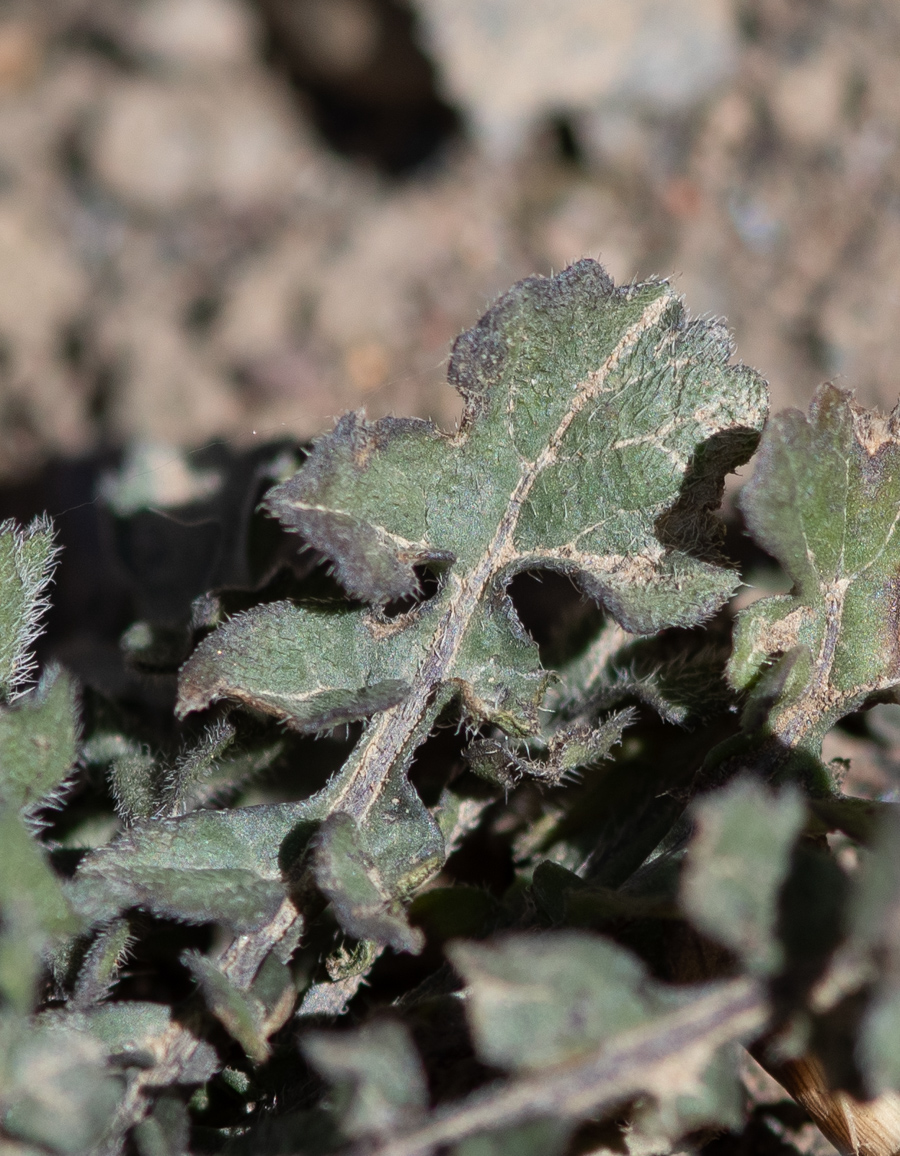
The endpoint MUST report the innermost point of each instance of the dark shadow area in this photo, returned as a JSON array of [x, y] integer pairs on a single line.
[[154, 970], [430, 580], [551, 608], [439, 760], [693, 524]]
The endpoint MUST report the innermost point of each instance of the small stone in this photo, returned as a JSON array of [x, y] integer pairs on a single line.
[[196, 33], [21, 55], [512, 62], [162, 147], [808, 99]]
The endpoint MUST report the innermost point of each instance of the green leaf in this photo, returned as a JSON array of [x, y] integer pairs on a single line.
[[197, 768], [668, 1058], [134, 1033], [166, 1131], [348, 876], [240, 1012], [100, 967], [134, 782], [872, 951], [737, 862], [38, 742], [27, 558], [586, 409], [314, 668], [599, 425], [569, 749], [55, 1090], [879, 1045], [541, 999], [210, 866], [823, 501], [33, 912], [378, 1080]]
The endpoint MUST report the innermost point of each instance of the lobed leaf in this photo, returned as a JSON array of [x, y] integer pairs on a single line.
[[598, 428], [823, 501], [737, 862]]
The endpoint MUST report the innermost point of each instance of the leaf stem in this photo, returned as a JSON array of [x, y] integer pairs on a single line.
[[666, 1055]]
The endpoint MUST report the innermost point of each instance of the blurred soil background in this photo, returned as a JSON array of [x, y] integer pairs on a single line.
[[234, 219], [238, 218]]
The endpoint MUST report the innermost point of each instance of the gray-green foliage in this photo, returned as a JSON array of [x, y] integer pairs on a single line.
[[739, 859], [378, 1080], [823, 501], [613, 865]]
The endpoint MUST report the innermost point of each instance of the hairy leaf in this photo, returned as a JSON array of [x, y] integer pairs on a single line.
[[568, 750], [239, 1011], [33, 911], [27, 558], [100, 966], [314, 668], [536, 1000], [196, 766], [599, 424], [823, 501], [348, 875], [737, 862], [209, 866], [37, 742], [377, 1076]]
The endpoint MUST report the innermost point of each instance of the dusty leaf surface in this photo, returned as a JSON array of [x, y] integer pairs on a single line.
[[824, 501], [599, 424]]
